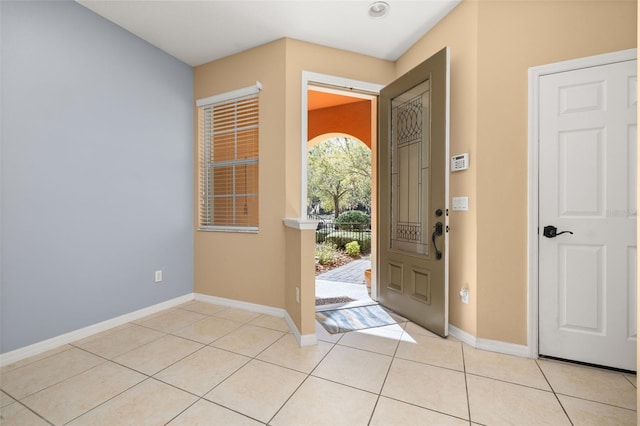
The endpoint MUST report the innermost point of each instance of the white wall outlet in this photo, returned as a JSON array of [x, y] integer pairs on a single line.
[[298, 294], [464, 295], [159, 276]]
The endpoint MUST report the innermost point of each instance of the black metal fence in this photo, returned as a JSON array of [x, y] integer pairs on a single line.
[[343, 233]]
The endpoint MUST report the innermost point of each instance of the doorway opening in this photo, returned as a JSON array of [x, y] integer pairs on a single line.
[[339, 197], [340, 194]]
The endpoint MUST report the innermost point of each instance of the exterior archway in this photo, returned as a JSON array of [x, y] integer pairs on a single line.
[[340, 174], [352, 117], [321, 138]]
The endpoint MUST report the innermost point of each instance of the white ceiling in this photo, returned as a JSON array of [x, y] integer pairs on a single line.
[[197, 32]]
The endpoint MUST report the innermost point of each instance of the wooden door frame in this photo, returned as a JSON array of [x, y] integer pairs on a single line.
[[535, 73]]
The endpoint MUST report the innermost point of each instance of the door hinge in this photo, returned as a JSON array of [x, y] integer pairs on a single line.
[[447, 229]]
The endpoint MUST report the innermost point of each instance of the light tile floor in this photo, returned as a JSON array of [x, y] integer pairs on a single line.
[[210, 365]]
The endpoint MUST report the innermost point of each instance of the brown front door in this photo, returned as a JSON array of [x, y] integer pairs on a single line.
[[413, 194]]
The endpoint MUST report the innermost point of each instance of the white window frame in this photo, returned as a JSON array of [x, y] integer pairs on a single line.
[[204, 153]]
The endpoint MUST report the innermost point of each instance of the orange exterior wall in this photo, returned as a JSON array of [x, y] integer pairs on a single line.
[[353, 119]]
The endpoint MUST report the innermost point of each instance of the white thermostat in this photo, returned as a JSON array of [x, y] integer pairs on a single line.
[[460, 162]]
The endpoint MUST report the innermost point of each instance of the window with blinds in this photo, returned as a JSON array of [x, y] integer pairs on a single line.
[[229, 161]]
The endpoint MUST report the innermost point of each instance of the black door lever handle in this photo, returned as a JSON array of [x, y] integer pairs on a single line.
[[437, 231], [551, 231]]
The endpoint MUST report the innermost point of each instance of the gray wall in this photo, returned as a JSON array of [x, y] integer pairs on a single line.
[[96, 169]]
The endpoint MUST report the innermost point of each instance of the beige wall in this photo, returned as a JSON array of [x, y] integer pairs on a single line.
[[512, 39], [301, 274], [458, 31], [493, 44], [249, 267], [266, 268]]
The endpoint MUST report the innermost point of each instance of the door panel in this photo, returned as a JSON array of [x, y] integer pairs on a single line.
[[587, 185], [581, 288], [580, 166], [413, 194]]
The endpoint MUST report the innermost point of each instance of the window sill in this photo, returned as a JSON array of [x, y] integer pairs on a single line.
[[301, 224], [234, 229]]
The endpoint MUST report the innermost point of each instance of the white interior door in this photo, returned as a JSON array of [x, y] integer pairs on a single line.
[[587, 185]]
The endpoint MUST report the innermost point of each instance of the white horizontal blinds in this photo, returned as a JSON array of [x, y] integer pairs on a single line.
[[229, 164], [205, 135]]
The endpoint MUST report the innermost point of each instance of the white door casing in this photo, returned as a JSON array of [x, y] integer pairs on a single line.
[[310, 79], [587, 185]]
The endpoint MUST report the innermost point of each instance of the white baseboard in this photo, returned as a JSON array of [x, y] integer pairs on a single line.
[[63, 339], [308, 340], [490, 345], [462, 335], [303, 340], [247, 306], [72, 336], [503, 347]]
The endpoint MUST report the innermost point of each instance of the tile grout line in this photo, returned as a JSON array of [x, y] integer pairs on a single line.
[[394, 356], [333, 345], [165, 334], [288, 399], [105, 360], [386, 376], [199, 397], [209, 345], [147, 376], [512, 383], [629, 380], [109, 399], [554, 392], [301, 383], [16, 401], [252, 358], [597, 402], [466, 382], [37, 360]]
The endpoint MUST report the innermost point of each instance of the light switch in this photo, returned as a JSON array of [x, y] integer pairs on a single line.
[[460, 203]]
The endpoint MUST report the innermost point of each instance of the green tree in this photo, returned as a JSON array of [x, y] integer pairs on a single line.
[[339, 174]]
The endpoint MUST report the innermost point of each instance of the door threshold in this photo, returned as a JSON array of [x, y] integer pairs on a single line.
[[587, 364], [354, 304]]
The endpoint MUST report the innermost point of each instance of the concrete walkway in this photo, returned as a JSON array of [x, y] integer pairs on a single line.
[[352, 272], [347, 280]]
